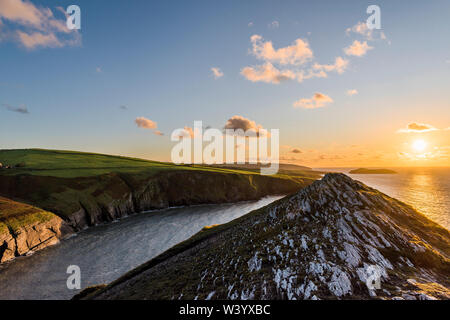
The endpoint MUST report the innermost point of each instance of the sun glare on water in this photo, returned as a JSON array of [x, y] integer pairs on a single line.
[[419, 145]]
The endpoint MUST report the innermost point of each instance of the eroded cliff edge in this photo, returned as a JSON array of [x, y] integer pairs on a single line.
[[317, 244], [25, 229]]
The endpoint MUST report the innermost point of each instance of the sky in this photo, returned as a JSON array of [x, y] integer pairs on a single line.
[[341, 95]]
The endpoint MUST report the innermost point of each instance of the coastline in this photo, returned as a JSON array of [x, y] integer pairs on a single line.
[[153, 194]]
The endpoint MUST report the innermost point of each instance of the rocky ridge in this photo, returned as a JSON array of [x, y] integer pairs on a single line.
[[335, 239]]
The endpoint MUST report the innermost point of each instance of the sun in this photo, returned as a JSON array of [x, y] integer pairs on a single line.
[[419, 145]]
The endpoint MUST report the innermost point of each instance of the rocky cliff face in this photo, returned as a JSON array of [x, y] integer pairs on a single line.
[[25, 229], [335, 239], [31, 238], [86, 201], [76, 203]]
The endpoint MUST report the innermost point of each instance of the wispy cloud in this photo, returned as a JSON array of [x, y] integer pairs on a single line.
[[34, 26], [357, 48], [369, 34], [340, 65], [189, 132], [36, 39], [417, 127], [352, 92], [319, 100], [217, 73], [20, 109], [274, 24], [269, 73], [98, 70]]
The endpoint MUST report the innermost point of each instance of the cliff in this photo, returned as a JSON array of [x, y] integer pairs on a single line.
[[81, 190], [87, 201], [335, 239], [24, 229]]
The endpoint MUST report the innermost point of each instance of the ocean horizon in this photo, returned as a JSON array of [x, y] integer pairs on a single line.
[[427, 189]]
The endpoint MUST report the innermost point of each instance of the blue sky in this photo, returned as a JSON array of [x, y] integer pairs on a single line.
[[155, 58]]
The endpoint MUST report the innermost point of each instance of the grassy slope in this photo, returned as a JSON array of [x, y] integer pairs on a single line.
[[14, 215], [65, 181], [73, 164]]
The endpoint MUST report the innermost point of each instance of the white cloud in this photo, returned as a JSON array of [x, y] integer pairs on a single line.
[[295, 54], [360, 28], [319, 100], [269, 74], [287, 63], [145, 123], [352, 92], [357, 48], [217, 73], [34, 26], [340, 65]]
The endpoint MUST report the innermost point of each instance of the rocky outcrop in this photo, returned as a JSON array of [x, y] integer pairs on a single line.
[[32, 237], [335, 239]]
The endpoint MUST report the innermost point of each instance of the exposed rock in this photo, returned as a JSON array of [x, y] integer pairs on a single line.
[[25, 229], [335, 239]]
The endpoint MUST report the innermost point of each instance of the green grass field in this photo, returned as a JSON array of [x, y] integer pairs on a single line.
[[72, 164], [14, 215]]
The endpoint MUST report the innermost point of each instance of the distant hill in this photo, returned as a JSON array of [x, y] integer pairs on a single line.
[[283, 168], [372, 171], [327, 241]]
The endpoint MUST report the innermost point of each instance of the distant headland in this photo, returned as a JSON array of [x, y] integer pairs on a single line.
[[372, 171]]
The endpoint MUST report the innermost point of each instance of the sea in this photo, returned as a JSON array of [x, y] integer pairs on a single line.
[[426, 189]]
